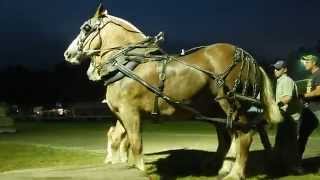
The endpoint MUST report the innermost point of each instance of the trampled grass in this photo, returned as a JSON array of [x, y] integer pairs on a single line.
[[23, 156]]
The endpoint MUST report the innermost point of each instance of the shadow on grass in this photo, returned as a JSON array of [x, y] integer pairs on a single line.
[[311, 165], [184, 162]]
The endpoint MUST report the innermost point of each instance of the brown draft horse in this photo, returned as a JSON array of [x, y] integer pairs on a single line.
[[103, 36]]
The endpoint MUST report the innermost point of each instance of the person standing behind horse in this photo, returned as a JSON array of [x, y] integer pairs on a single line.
[[286, 143], [311, 114]]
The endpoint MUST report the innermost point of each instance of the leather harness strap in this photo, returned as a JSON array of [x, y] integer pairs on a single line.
[[129, 54], [183, 105]]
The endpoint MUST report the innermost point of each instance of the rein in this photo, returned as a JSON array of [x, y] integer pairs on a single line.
[[219, 77]]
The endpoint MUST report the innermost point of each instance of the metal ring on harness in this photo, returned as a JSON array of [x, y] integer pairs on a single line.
[[220, 82]]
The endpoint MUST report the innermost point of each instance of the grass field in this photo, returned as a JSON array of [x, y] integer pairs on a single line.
[[173, 150]]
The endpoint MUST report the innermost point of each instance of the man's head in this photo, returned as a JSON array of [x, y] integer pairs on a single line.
[[309, 61], [280, 68]]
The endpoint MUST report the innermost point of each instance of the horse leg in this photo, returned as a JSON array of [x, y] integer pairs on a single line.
[[124, 147], [243, 142], [108, 158], [229, 158], [224, 142], [222, 149], [115, 137], [130, 118]]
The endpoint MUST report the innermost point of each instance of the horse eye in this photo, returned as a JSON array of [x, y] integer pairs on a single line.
[[87, 28]]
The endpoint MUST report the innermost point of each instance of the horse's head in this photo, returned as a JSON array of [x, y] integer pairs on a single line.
[[100, 35], [85, 44]]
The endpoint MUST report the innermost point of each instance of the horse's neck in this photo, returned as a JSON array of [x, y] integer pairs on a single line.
[[124, 32], [125, 24], [117, 36]]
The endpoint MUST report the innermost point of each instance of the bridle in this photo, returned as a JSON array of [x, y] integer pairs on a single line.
[[88, 28]]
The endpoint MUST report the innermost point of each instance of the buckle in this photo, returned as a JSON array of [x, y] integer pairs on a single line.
[[220, 82]]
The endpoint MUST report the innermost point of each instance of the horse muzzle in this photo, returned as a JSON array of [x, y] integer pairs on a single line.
[[73, 60]]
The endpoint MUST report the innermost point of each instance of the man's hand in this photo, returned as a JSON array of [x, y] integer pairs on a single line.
[[313, 93], [283, 106], [280, 104]]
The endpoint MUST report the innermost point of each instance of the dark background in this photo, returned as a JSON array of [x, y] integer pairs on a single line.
[[34, 35]]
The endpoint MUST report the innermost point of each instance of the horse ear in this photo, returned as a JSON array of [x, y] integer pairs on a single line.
[[99, 12]]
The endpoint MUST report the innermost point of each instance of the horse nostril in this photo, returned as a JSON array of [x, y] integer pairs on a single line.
[[67, 54]]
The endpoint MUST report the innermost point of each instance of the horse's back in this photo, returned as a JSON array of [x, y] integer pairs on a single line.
[[220, 52]]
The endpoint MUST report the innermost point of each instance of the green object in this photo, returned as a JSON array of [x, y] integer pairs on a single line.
[[309, 57], [6, 122], [303, 86]]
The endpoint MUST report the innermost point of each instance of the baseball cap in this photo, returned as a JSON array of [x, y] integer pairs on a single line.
[[279, 64], [309, 57]]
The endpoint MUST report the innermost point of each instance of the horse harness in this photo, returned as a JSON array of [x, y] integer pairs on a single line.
[[125, 60]]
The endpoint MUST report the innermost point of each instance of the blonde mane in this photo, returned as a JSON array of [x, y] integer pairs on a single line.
[[126, 24]]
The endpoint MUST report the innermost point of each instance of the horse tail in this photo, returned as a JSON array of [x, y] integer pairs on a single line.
[[271, 110]]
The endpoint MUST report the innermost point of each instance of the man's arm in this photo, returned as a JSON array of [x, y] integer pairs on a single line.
[[285, 99], [287, 88], [313, 93]]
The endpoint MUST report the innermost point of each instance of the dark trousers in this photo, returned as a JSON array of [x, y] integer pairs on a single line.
[[308, 123], [286, 144]]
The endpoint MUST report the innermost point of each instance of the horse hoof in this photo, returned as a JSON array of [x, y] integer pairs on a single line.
[[124, 160], [107, 161], [233, 177], [141, 167], [220, 176], [222, 173]]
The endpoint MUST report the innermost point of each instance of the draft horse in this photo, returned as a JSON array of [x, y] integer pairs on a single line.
[[213, 73]]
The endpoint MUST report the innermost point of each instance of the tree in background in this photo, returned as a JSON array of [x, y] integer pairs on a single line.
[[6, 122]]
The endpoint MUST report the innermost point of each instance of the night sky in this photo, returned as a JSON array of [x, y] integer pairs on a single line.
[[35, 33]]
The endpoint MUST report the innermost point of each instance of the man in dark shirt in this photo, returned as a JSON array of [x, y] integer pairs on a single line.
[[311, 114]]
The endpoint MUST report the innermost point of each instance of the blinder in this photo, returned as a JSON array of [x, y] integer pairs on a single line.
[[85, 31]]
